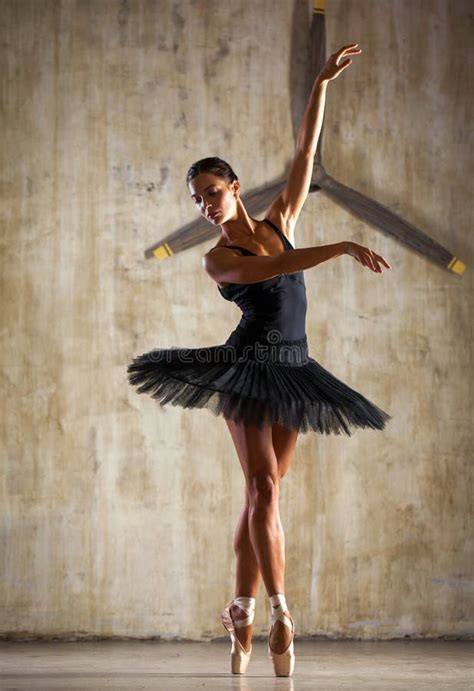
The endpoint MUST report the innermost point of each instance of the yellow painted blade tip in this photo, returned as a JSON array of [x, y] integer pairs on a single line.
[[163, 251], [319, 5], [457, 266]]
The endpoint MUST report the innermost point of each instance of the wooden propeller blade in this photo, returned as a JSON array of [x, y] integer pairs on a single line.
[[385, 220], [200, 230], [302, 76], [304, 67]]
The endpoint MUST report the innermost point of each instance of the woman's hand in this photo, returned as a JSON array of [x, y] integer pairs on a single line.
[[332, 68], [366, 256]]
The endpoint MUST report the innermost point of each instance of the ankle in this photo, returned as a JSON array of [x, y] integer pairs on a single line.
[[244, 602], [247, 607], [278, 604], [278, 600]]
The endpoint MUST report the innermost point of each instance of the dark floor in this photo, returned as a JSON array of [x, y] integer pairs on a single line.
[[325, 665]]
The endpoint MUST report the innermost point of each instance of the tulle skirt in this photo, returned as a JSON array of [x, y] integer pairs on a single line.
[[254, 381]]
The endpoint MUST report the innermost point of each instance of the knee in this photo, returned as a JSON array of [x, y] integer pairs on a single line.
[[263, 488]]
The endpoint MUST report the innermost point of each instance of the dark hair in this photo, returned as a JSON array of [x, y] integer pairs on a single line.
[[212, 164]]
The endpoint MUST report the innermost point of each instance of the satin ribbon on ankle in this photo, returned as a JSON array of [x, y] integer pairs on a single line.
[[247, 604]]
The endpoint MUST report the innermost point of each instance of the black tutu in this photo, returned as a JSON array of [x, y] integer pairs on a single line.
[[255, 382]]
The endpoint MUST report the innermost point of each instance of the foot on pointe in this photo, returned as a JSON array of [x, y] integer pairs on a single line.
[[244, 633], [280, 636]]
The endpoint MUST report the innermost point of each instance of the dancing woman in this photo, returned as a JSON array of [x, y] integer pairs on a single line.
[[262, 380]]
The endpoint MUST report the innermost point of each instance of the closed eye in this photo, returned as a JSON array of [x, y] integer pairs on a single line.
[[211, 194]]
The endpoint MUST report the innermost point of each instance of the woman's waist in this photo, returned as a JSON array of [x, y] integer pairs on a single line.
[[288, 327], [269, 345]]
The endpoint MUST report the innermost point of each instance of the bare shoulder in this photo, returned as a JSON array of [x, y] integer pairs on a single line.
[[215, 262], [214, 258], [276, 215]]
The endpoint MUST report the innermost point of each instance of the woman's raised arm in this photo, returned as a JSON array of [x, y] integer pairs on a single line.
[[287, 206]]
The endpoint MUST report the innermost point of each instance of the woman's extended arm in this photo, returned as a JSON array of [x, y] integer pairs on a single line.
[[312, 122], [310, 128], [225, 266], [287, 206]]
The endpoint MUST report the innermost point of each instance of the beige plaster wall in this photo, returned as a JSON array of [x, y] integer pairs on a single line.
[[118, 515]]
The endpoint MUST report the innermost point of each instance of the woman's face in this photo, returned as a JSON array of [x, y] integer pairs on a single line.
[[211, 195]]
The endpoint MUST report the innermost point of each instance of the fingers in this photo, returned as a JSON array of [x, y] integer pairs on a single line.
[[345, 63], [372, 260], [351, 48], [367, 257], [384, 261]]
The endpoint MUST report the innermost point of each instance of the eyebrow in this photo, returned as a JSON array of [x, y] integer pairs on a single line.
[[211, 185]]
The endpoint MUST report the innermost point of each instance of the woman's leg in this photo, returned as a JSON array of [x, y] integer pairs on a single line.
[[259, 541], [247, 568], [247, 572]]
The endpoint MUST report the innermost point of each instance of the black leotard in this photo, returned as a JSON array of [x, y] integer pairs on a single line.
[[274, 304]]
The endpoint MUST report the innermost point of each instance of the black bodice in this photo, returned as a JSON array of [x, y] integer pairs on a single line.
[[276, 305]]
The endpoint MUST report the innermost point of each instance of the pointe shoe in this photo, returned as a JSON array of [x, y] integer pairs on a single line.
[[283, 663], [240, 658]]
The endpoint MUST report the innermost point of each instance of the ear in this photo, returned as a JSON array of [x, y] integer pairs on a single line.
[[236, 185]]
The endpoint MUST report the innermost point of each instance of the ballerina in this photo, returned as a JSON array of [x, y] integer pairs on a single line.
[[262, 380]]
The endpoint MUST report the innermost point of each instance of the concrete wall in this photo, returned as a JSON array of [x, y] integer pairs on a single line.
[[118, 515]]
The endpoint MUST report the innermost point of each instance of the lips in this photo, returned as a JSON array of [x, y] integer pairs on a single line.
[[214, 214]]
